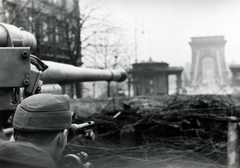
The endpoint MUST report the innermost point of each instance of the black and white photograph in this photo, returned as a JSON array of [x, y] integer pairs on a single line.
[[119, 83]]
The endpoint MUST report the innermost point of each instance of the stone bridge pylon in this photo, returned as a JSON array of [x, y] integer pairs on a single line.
[[208, 68]]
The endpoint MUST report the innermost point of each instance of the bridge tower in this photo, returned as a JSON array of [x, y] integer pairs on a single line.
[[208, 61]]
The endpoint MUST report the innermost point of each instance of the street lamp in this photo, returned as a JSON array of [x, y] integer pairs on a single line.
[[108, 86], [115, 64]]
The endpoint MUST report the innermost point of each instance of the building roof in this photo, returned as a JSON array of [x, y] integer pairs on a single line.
[[155, 67], [235, 67]]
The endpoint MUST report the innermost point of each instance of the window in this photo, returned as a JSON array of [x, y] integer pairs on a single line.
[[151, 82], [57, 34], [151, 90], [45, 29]]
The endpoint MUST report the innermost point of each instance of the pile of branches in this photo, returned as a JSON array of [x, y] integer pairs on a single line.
[[180, 123], [202, 116]]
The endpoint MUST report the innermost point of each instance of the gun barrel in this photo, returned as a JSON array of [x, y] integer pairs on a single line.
[[64, 73]]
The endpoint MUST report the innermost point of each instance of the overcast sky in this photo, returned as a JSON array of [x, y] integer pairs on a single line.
[[165, 27]]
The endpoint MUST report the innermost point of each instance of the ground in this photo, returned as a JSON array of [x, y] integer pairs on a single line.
[[148, 156]]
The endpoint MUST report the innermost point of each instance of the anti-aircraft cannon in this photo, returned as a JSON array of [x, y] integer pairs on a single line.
[[20, 69]]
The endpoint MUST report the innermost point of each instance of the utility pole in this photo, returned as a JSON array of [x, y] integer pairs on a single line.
[[115, 64], [135, 40]]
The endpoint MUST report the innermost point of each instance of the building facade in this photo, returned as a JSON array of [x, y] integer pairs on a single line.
[[235, 69], [151, 78]]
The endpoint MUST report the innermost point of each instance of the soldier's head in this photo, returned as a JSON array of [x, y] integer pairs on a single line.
[[43, 120]]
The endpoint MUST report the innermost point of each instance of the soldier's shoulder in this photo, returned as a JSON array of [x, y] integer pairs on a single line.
[[24, 155]]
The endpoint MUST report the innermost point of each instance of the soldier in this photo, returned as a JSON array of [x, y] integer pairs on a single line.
[[41, 124]]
